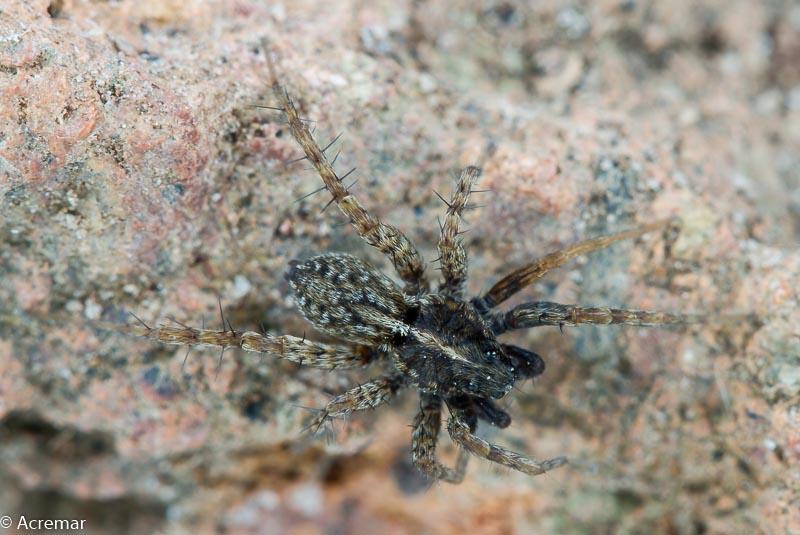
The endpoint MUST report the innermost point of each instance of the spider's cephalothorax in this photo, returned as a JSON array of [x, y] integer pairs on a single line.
[[450, 350], [439, 342]]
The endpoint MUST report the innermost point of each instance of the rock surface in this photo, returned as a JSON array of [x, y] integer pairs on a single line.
[[136, 175]]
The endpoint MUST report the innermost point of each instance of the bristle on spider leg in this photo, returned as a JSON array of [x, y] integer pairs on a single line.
[[221, 314], [219, 363], [180, 323], [330, 202], [315, 410], [300, 159], [307, 195], [334, 140], [185, 358], [265, 107], [140, 320], [281, 110], [445, 201], [347, 175]]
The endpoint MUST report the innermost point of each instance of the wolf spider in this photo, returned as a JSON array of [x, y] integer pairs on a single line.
[[438, 341]]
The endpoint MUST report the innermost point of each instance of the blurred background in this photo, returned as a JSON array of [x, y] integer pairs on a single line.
[[136, 175]]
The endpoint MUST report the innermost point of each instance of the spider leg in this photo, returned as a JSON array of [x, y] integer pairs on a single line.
[[526, 275], [426, 427], [389, 240], [362, 397], [544, 313], [451, 252], [291, 348], [307, 353], [462, 434]]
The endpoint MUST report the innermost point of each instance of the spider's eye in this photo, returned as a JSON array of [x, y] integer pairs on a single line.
[[491, 356]]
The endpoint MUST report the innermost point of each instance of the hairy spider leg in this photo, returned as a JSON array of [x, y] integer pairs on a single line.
[[424, 438], [362, 397], [291, 348], [388, 239], [526, 275], [462, 434], [541, 313], [452, 256]]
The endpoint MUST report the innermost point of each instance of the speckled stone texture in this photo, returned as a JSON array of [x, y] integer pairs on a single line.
[[137, 176]]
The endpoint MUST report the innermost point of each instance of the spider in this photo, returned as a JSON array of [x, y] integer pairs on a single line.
[[438, 341]]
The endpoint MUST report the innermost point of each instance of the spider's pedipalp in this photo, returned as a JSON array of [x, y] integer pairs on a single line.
[[526, 275], [526, 363], [389, 240], [452, 255], [545, 313], [490, 411], [424, 438], [460, 432]]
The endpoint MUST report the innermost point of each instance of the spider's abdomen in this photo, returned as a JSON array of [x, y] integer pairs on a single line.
[[348, 298]]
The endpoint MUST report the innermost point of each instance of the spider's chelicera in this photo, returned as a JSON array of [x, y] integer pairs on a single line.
[[437, 341]]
